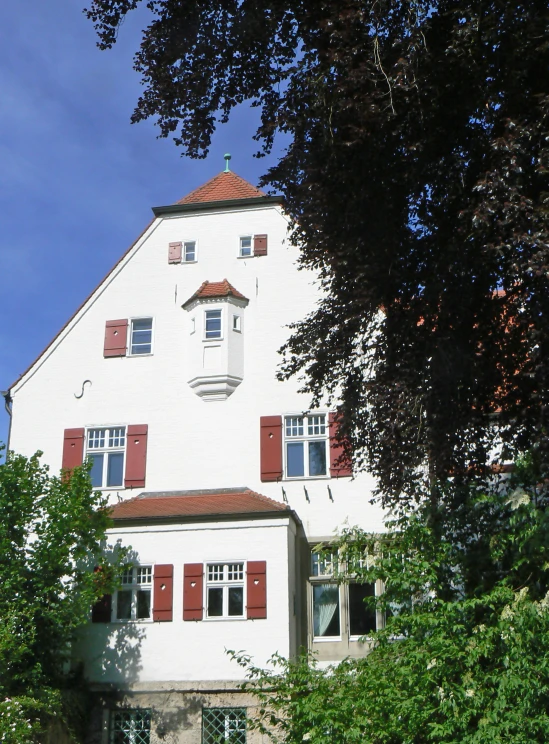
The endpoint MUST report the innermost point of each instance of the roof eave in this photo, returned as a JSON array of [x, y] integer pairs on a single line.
[[253, 201], [240, 301]]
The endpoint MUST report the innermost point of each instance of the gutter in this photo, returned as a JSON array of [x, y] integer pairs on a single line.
[[196, 518], [8, 403]]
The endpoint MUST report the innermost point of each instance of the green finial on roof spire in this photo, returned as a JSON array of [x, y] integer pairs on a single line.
[[227, 157]]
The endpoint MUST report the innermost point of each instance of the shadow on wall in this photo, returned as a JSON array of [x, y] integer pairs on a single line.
[[178, 713], [110, 652], [172, 713]]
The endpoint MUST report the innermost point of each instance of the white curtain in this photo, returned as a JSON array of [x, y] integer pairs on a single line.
[[326, 604]]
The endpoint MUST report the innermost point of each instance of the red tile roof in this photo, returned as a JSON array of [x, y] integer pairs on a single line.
[[224, 186], [187, 504], [215, 289]]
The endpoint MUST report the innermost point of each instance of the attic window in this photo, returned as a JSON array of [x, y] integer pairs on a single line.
[[189, 251], [141, 336], [245, 246]]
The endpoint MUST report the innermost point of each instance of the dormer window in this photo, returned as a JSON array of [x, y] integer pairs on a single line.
[[216, 352]]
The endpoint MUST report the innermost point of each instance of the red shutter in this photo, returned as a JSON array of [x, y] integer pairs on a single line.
[[116, 338], [193, 582], [340, 467], [101, 611], [271, 448], [257, 590], [73, 448], [260, 245], [174, 252], [136, 456], [163, 593]]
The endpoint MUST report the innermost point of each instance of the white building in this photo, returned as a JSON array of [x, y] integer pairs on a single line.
[[220, 477]]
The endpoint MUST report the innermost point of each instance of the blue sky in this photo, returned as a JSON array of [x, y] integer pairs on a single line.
[[77, 181]]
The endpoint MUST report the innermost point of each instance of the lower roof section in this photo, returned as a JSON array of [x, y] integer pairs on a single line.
[[228, 503]]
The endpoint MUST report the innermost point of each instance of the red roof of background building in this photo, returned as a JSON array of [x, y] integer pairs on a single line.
[[228, 501], [215, 289], [226, 185]]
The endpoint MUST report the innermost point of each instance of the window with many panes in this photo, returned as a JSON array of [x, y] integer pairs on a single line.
[[359, 618], [305, 445], [224, 726], [141, 336], [325, 596], [245, 249], [212, 325], [106, 449], [225, 590], [130, 727], [132, 601]]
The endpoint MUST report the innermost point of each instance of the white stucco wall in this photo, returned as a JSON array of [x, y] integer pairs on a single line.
[[191, 444], [142, 651]]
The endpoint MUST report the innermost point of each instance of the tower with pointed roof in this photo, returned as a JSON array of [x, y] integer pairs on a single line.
[[219, 475]]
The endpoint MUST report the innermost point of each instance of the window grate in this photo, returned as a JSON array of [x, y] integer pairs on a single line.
[[131, 727], [224, 726]]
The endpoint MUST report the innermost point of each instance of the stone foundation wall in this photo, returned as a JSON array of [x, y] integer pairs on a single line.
[[176, 711]]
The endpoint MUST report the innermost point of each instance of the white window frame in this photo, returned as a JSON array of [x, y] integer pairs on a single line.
[[129, 727], [130, 343], [306, 438], [237, 323], [251, 239], [213, 310], [95, 445], [135, 578], [322, 574], [323, 570], [184, 259], [225, 583]]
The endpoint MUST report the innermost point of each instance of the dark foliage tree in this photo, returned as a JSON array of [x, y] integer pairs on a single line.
[[417, 181]]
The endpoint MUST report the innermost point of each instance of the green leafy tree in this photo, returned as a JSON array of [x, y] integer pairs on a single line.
[[417, 179], [464, 656], [52, 535]]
